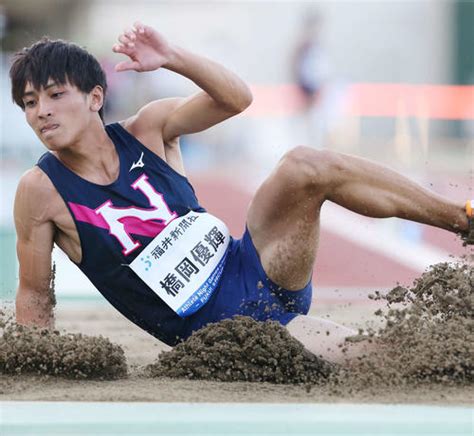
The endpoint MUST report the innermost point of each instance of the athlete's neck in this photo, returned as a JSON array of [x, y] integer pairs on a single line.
[[93, 156]]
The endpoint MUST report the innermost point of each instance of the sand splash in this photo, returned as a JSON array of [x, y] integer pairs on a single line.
[[428, 337]]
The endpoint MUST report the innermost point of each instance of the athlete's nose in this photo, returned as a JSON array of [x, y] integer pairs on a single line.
[[44, 109]]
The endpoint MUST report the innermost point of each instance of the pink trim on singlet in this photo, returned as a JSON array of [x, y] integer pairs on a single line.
[[132, 225]]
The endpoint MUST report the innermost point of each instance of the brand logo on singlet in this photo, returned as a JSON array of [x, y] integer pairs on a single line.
[[138, 164], [115, 217]]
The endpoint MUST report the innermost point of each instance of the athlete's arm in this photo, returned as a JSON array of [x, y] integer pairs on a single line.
[[223, 93], [35, 235]]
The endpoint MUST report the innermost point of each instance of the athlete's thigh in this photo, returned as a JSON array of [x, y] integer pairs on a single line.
[[283, 221]]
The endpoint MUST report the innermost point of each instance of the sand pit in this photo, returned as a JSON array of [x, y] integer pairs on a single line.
[[425, 355]]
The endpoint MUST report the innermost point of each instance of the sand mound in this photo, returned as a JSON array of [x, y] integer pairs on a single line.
[[428, 334], [40, 351], [26, 350], [427, 338], [241, 349]]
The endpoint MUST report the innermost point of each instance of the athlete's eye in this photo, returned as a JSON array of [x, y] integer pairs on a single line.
[[29, 103], [57, 94]]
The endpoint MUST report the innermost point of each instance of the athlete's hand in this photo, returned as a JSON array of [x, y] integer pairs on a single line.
[[146, 48]]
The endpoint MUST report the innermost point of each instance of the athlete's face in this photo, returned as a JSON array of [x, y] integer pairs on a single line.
[[59, 114]]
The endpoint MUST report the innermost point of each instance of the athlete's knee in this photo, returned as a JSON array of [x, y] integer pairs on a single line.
[[311, 168]]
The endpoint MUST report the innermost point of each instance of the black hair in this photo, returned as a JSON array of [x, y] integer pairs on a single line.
[[58, 60]]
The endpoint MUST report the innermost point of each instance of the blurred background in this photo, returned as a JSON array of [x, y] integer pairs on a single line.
[[391, 81]]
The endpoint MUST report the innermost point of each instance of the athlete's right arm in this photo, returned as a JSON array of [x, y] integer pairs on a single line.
[[35, 236]]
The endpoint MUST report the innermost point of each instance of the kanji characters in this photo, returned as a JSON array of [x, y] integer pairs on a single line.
[[186, 269], [214, 238], [171, 284], [201, 253]]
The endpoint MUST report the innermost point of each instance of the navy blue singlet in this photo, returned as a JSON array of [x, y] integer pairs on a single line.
[[104, 256], [115, 222]]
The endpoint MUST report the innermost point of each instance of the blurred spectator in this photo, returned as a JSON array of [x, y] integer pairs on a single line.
[[324, 97], [3, 22], [311, 73], [310, 63], [113, 86]]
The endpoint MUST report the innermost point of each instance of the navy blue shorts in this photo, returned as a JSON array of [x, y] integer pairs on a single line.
[[245, 289]]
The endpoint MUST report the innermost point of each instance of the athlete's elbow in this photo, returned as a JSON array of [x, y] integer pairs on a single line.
[[245, 99], [240, 100]]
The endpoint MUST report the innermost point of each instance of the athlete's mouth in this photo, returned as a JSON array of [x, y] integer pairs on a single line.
[[49, 127]]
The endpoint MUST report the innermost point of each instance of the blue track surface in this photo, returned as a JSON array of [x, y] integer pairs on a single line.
[[79, 418]]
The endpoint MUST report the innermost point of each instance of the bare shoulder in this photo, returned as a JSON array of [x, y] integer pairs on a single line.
[[147, 124], [34, 196], [35, 181]]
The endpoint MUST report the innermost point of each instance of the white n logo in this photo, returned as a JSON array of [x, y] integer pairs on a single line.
[[114, 216]]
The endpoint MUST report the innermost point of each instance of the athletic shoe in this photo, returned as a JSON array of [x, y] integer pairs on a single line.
[[468, 236]]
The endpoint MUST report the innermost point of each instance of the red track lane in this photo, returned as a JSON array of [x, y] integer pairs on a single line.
[[339, 262]]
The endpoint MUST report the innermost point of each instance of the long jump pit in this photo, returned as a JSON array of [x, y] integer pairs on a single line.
[[98, 374]]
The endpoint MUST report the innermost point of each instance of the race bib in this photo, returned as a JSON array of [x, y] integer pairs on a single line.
[[183, 264]]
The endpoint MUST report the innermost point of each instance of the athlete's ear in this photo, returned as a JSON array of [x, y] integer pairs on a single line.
[[96, 98]]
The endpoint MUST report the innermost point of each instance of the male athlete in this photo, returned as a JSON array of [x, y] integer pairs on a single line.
[[116, 200]]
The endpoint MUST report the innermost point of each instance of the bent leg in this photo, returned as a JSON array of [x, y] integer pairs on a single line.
[[326, 339], [283, 218], [283, 221]]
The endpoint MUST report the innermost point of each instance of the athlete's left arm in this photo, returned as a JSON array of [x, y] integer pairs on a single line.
[[223, 93]]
